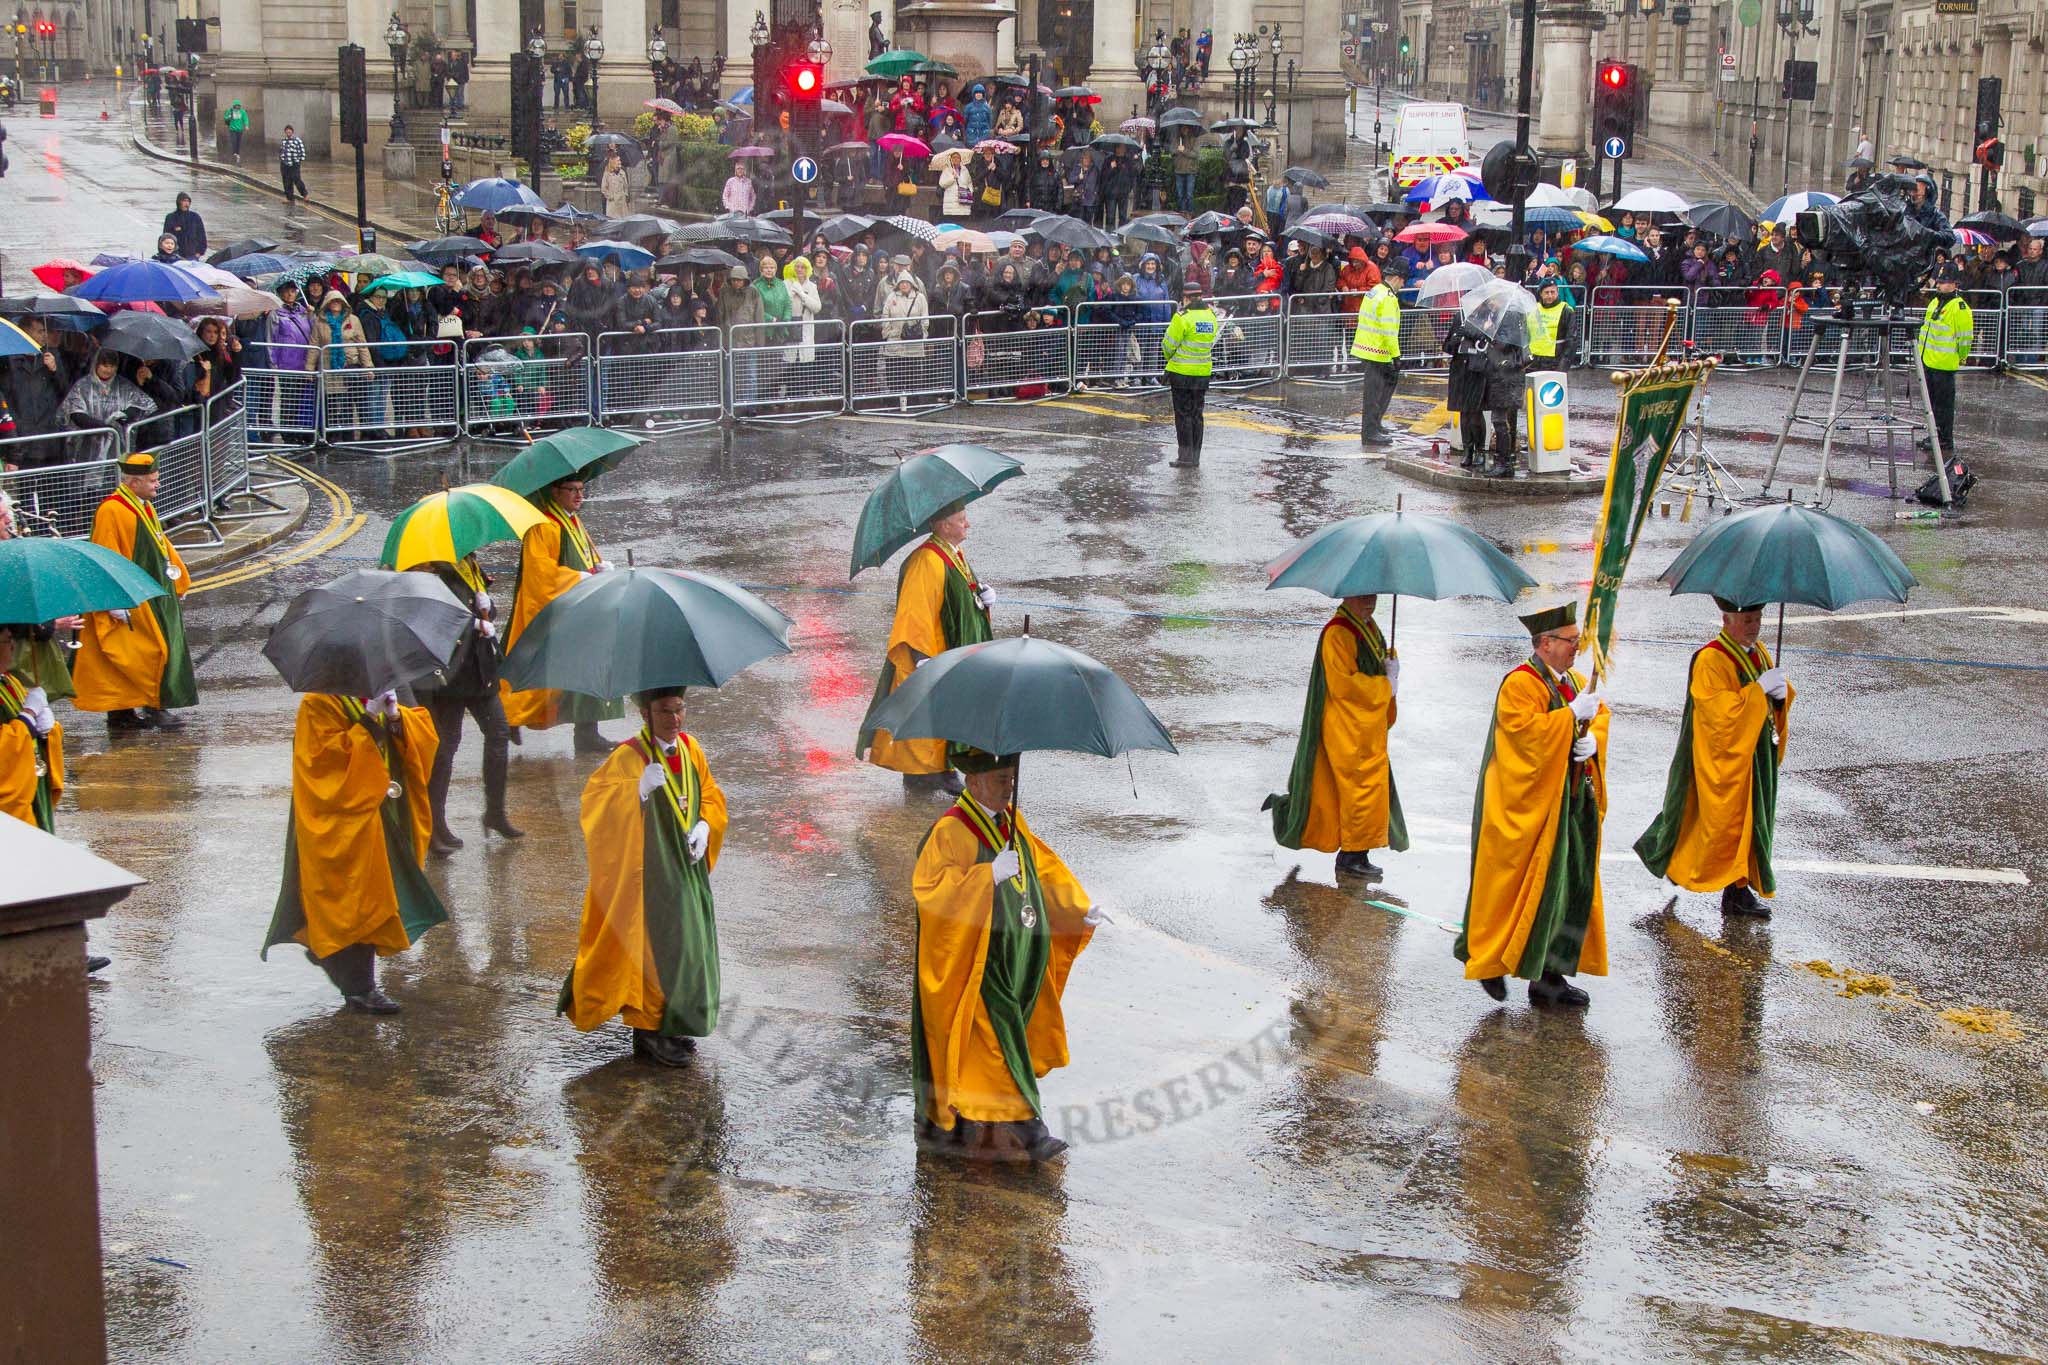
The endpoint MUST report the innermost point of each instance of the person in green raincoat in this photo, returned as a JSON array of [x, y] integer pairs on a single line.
[[653, 822]]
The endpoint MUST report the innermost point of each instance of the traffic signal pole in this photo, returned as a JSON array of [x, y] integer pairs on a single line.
[[1518, 250]]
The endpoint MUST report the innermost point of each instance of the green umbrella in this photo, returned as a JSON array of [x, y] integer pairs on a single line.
[[1399, 554], [588, 451], [903, 61], [1786, 553], [403, 279], [898, 510], [629, 630], [932, 66], [42, 578]]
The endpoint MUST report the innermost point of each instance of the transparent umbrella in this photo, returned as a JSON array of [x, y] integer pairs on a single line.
[[1499, 310]]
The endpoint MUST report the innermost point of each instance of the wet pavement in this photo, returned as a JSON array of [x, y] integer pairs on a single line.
[[1293, 1122]]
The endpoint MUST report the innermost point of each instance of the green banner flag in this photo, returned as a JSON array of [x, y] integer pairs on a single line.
[[1651, 417]]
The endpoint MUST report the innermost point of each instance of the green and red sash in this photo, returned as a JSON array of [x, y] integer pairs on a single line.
[[1660, 840], [574, 538], [1291, 807]]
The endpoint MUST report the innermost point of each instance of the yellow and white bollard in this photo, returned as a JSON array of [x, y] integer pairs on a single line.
[[1549, 398]]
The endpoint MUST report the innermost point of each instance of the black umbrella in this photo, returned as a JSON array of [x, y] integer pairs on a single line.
[[600, 145], [1724, 221], [533, 253], [448, 250], [1907, 163], [365, 633], [1309, 236], [635, 226], [61, 311], [735, 227], [1860, 163], [1123, 140], [531, 213], [1172, 220], [1383, 210], [1158, 233], [1073, 92], [1015, 219], [1226, 125], [844, 227], [149, 336], [2001, 226], [1302, 175], [1059, 230], [1213, 224], [241, 246], [700, 257], [1180, 116]]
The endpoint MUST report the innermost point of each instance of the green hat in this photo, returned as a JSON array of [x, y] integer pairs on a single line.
[[975, 761], [1725, 605], [655, 694], [1547, 613], [140, 462]]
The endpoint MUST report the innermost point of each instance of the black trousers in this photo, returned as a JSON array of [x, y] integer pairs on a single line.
[[1472, 431], [290, 176], [1506, 427], [353, 970], [489, 713], [1941, 392], [1380, 378], [1190, 392]]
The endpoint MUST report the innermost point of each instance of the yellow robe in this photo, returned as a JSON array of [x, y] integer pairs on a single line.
[[920, 599], [616, 972], [117, 666], [339, 783], [1348, 797], [18, 770], [1715, 846], [955, 900], [542, 578], [1515, 830]]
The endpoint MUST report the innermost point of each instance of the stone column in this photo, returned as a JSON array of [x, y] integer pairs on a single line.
[[1564, 56], [961, 33]]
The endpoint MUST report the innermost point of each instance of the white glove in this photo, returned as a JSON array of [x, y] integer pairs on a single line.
[[482, 603], [1585, 706], [1005, 865], [652, 779], [1774, 683], [36, 700], [700, 840], [119, 614], [487, 630], [387, 705], [38, 721], [920, 663], [603, 566], [1584, 747], [1097, 916], [1393, 674], [987, 597]]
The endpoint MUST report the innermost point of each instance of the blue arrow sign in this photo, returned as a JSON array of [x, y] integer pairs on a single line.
[[1551, 394], [803, 170], [1616, 148]]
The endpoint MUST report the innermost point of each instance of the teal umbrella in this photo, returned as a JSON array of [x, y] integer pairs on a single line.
[[42, 578], [588, 451], [633, 629], [1399, 554], [896, 512], [1787, 553], [403, 279]]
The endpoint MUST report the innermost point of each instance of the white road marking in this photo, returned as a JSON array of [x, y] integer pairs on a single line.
[[2027, 615]]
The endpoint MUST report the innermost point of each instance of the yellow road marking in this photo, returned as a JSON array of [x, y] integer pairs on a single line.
[[2035, 380], [1214, 419], [1432, 421], [341, 528]]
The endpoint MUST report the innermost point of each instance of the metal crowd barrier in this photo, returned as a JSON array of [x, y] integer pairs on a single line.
[[513, 384], [178, 440], [1029, 365], [200, 469], [671, 380], [1988, 305], [284, 409], [1626, 323], [408, 398], [906, 374], [1422, 339], [1724, 325], [225, 438], [1107, 352], [774, 375], [2026, 328], [52, 493], [1319, 335], [1249, 350]]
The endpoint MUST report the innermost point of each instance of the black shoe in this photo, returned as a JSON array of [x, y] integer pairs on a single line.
[[1495, 986], [162, 719], [1185, 461], [125, 719], [981, 1141], [590, 741], [1359, 864], [1039, 1143], [516, 735], [937, 1140], [372, 1001], [664, 1048], [1554, 990], [1377, 438], [496, 823], [93, 962], [444, 842], [1740, 900]]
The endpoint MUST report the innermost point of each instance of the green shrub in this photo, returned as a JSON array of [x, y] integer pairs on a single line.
[[578, 135], [697, 128], [643, 125], [1209, 164]]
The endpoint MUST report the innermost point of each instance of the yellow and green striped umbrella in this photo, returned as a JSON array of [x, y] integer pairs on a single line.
[[443, 528]]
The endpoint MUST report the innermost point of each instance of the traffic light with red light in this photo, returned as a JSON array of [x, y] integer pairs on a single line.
[[803, 91], [1614, 108], [804, 80]]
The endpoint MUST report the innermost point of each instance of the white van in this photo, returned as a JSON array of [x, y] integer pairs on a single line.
[[1428, 140]]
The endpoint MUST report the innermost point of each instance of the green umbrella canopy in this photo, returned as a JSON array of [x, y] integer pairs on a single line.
[[901, 62], [42, 578], [403, 279], [1403, 554], [366, 632], [898, 510], [589, 451], [1006, 696], [630, 630], [1786, 553]]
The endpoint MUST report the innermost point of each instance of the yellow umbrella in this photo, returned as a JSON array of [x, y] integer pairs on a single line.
[[1594, 220], [446, 526]]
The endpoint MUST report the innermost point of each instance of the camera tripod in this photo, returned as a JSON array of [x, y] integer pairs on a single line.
[[1694, 468], [1882, 412]]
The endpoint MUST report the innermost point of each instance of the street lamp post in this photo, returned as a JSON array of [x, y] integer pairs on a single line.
[[395, 38], [1273, 90], [657, 56], [1241, 59], [1153, 71], [593, 52]]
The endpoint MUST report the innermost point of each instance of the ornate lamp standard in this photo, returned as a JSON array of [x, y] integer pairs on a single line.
[[396, 38]]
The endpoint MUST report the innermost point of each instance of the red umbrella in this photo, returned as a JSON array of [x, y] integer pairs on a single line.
[[62, 273], [1431, 234]]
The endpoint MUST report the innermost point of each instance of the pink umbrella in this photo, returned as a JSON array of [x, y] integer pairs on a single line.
[[903, 144], [1138, 125], [1000, 146], [1430, 234], [743, 153]]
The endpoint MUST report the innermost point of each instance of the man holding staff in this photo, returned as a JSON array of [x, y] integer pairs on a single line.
[[1721, 799]]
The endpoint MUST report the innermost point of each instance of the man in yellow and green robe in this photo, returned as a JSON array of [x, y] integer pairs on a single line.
[[134, 664], [356, 840], [555, 555], [1000, 921], [653, 822], [1533, 910], [1340, 796], [940, 605], [31, 741], [1721, 799]]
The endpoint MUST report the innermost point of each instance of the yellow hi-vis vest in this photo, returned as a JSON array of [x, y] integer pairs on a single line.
[[1378, 335], [1549, 321], [1946, 332], [1189, 339]]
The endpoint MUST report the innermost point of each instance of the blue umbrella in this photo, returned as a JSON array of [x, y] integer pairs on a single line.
[[14, 341], [745, 96], [42, 578], [259, 263], [495, 194], [1782, 209], [1549, 217], [1620, 248], [143, 282], [1426, 188], [107, 258], [628, 256]]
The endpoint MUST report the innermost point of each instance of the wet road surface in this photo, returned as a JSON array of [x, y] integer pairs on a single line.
[[1298, 1134]]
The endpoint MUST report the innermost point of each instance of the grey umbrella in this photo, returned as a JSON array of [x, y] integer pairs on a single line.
[[365, 633], [150, 337]]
